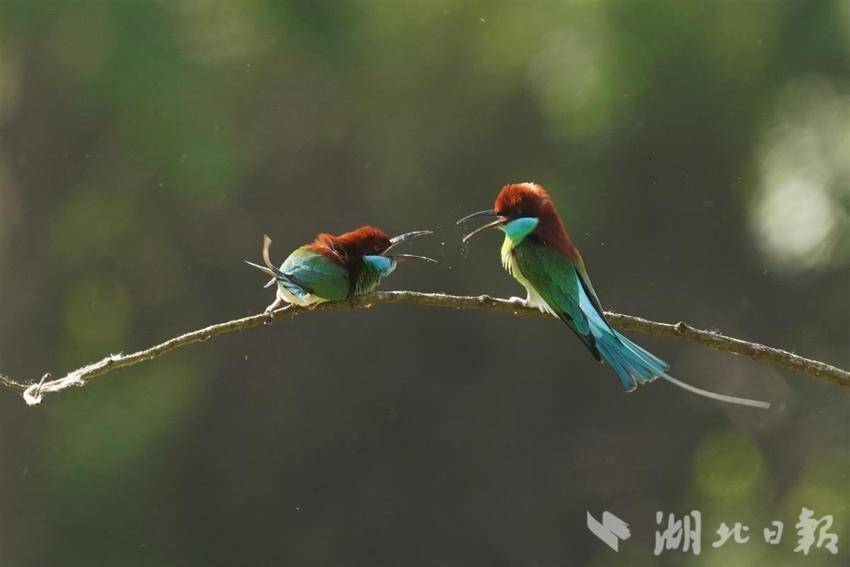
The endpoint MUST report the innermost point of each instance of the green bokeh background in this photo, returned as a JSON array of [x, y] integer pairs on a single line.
[[699, 153]]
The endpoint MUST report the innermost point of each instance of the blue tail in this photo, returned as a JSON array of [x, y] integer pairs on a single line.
[[632, 363], [635, 365]]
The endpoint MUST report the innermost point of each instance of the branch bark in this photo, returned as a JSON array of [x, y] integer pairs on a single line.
[[33, 393]]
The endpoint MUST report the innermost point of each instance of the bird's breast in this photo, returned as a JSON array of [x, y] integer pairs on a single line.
[[511, 265], [508, 260]]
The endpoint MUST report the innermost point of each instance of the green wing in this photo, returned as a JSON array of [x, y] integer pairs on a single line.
[[584, 280], [558, 282], [317, 274]]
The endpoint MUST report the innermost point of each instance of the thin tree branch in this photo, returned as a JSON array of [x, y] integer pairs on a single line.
[[33, 393]]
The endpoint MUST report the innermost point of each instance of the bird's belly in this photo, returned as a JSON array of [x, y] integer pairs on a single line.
[[510, 264], [302, 301]]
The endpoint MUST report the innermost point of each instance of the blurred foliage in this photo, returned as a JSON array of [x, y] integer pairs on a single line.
[[699, 152]]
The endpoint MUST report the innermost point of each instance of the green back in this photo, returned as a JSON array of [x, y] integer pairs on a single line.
[[317, 274]]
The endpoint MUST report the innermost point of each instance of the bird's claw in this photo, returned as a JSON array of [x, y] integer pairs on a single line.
[[518, 301], [269, 311]]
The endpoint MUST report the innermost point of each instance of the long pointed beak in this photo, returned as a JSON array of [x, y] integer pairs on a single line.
[[489, 214], [413, 257], [396, 240]]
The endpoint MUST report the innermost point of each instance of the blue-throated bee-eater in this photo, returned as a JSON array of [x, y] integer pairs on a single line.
[[333, 268], [538, 253]]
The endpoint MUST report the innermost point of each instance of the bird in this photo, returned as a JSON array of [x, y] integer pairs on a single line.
[[538, 252], [334, 268]]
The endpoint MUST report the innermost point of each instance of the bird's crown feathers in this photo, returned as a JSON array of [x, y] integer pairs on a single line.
[[523, 200], [518, 200], [364, 241]]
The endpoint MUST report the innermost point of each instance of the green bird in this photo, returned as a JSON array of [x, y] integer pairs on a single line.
[[333, 268], [538, 253]]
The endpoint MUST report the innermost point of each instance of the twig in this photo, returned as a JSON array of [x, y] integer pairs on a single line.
[[33, 393]]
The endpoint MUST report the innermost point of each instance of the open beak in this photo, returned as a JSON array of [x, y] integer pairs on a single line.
[[488, 214], [413, 257], [396, 240]]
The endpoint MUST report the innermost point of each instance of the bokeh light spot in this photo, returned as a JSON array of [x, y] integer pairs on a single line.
[[727, 465], [804, 169]]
